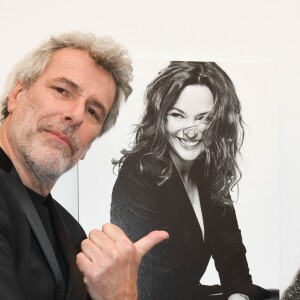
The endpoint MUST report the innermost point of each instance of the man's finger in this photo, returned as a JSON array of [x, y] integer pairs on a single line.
[[113, 232], [83, 262], [101, 240], [149, 241]]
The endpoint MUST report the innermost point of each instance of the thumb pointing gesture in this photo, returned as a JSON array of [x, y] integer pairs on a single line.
[[109, 262], [149, 241]]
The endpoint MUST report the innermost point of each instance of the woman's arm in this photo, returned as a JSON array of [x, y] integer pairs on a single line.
[[137, 209], [230, 259]]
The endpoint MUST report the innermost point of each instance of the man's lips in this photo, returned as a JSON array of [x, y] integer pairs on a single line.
[[62, 137], [187, 142]]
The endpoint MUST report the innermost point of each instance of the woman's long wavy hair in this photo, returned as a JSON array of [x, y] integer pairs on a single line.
[[222, 138]]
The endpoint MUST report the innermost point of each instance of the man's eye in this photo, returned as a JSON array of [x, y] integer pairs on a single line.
[[93, 113], [61, 90]]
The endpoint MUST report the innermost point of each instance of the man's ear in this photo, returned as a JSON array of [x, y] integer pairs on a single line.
[[13, 96]]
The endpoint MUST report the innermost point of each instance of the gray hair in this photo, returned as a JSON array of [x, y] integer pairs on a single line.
[[103, 50]]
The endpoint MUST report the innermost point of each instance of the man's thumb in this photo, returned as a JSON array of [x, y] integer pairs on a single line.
[[150, 240]]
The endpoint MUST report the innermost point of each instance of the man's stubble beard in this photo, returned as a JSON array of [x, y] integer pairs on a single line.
[[47, 158]]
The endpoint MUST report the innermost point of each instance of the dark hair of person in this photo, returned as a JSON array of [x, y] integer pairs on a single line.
[[222, 138]]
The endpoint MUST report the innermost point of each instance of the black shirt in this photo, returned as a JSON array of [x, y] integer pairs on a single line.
[[42, 206]]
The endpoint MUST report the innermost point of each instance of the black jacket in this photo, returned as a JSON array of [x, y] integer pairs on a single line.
[[293, 292], [27, 260], [173, 269]]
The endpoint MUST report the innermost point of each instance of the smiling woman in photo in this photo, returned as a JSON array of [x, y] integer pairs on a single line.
[[178, 177]]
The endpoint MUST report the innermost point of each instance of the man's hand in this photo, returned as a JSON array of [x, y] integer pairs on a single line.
[[109, 262]]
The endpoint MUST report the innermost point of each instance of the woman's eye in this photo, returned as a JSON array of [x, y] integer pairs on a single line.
[[203, 118], [208, 119], [200, 118], [176, 115]]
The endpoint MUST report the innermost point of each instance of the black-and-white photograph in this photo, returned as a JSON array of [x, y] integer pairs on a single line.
[[162, 172]]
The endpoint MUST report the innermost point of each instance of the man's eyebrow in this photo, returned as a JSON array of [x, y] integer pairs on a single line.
[[70, 83]]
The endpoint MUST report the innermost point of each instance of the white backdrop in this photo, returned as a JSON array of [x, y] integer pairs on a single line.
[[256, 42]]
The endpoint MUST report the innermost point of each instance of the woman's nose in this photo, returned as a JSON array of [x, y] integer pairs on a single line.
[[191, 132]]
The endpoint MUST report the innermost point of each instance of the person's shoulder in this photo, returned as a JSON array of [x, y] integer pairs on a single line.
[[293, 291], [8, 200], [131, 162], [72, 225], [131, 167], [133, 173], [63, 212]]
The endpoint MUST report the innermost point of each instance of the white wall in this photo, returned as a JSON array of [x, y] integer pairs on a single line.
[[256, 35]]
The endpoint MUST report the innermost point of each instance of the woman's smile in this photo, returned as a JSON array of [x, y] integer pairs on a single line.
[[188, 142]]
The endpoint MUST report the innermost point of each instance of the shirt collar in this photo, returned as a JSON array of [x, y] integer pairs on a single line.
[[5, 162]]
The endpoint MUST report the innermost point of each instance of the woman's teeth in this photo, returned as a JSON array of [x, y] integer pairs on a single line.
[[189, 142]]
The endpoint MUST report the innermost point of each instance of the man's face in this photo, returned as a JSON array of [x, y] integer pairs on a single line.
[[53, 123]]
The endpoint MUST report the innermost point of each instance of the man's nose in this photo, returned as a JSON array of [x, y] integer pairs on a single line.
[[74, 113]]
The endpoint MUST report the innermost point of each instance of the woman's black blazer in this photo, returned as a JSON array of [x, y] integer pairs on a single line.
[[173, 269]]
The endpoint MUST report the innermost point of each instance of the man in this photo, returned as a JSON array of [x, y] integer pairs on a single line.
[[60, 98]]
